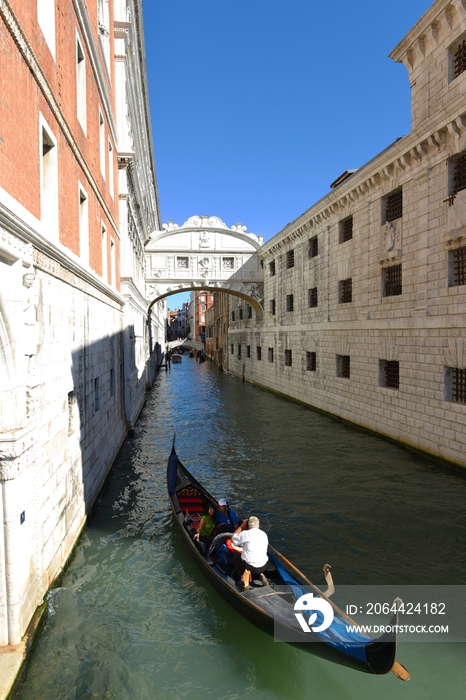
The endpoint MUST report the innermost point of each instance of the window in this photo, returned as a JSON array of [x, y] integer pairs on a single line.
[[232, 315], [290, 259], [232, 349], [392, 285], [455, 385], [241, 314], [312, 297], [249, 311], [83, 226], [80, 85], [270, 354], [459, 174], [345, 295], [182, 263], [272, 307], [102, 143], [239, 351], [346, 229], [46, 20], [289, 302], [459, 59], [96, 394], [104, 253], [203, 307], [288, 358], [110, 169], [228, 263], [311, 362], [389, 374], [202, 298], [112, 382], [49, 183], [112, 263], [272, 269], [259, 352], [248, 351], [394, 206], [457, 260], [343, 366], [313, 247]]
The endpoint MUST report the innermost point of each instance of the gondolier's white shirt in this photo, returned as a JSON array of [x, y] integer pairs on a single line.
[[254, 543]]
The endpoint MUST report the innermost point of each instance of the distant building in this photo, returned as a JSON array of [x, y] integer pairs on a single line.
[[202, 300], [217, 324]]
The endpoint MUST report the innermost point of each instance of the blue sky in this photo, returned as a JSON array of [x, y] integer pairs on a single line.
[[258, 106]]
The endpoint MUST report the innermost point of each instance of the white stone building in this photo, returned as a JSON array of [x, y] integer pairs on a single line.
[[365, 292]]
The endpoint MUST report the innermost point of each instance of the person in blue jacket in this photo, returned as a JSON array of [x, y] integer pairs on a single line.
[[226, 518]]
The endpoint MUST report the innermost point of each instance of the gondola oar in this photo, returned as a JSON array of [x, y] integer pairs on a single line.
[[398, 669]]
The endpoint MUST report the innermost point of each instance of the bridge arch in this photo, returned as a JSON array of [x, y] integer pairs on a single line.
[[204, 254]]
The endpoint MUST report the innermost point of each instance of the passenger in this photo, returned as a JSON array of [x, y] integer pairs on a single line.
[[253, 558], [206, 527], [226, 518]]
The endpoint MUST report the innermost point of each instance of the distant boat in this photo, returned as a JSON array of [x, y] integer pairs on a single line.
[[176, 357]]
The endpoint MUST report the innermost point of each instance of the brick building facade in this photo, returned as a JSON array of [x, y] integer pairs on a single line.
[[78, 200], [365, 292]]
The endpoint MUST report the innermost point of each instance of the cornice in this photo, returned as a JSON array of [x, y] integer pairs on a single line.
[[400, 160], [56, 255], [28, 54]]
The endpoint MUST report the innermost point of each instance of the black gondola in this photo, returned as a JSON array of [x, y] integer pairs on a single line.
[[272, 607]]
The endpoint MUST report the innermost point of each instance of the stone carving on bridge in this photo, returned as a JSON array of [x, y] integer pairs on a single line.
[[204, 239]]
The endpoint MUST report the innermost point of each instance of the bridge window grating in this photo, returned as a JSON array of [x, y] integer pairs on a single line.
[[241, 314], [228, 263], [249, 311], [459, 266], [390, 371], [343, 366], [312, 297], [270, 354], [232, 349], [460, 59], [239, 351], [289, 302], [458, 393], [248, 351], [232, 315], [259, 352], [290, 259], [288, 358], [394, 206], [346, 229], [182, 263], [392, 281], [459, 174], [311, 361], [272, 307], [313, 247], [346, 291]]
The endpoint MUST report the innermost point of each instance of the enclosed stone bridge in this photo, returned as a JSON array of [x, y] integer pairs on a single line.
[[205, 254]]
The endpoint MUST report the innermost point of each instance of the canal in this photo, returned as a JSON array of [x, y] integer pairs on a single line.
[[133, 617]]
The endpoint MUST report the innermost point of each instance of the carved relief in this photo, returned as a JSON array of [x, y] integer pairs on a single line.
[[204, 239]]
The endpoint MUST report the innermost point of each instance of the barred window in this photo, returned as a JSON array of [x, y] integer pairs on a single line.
[[289, 302], [345, 291], [343, 366], [232, 349], [272, 268], [392, 281], [241, 314], [394, 206], [458, 393], [288, 358], [311, 361], [459, 173], [346, 229], [270, 354], [248, 351], [290, 259], [460, 59], [389, 373], [249, 311], [313, 247], [272, 307], [239, 351], [312, 297], [259, 352], [228, 263], [232, 315], [458, 260], [182, 263]]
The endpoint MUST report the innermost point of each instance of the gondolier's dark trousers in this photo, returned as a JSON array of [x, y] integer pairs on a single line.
[[241, 565]]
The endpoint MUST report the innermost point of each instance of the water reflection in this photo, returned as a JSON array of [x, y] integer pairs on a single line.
[[134, 618]]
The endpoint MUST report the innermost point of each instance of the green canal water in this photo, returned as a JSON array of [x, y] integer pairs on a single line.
[[133, 617]]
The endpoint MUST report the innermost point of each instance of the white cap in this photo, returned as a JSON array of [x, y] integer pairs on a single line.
[[223, 502]]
